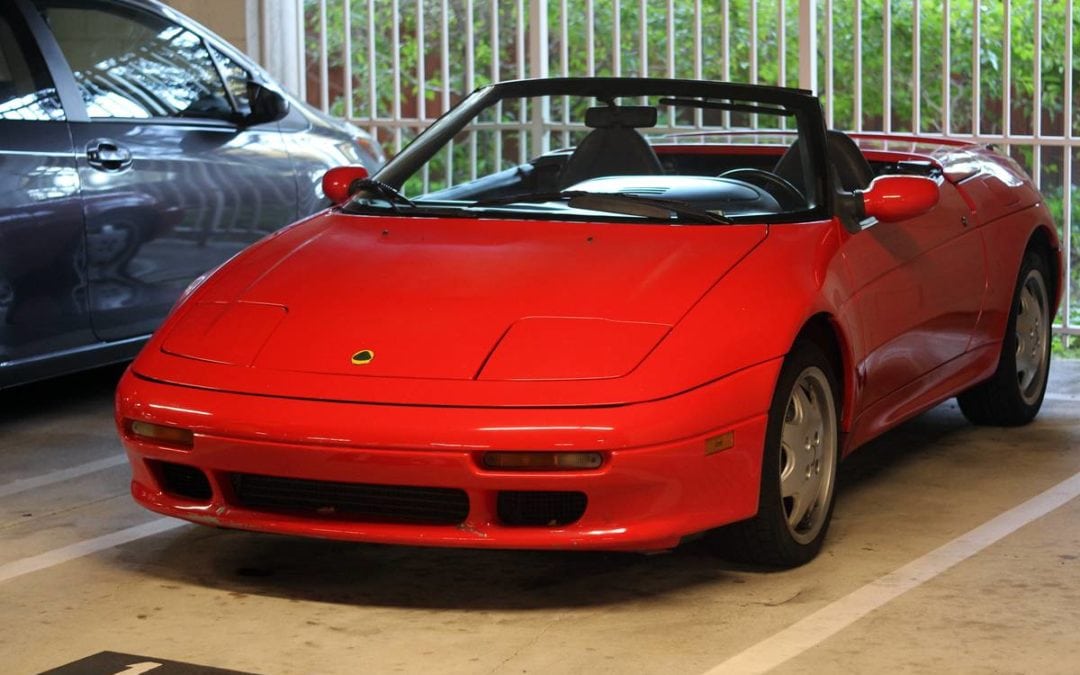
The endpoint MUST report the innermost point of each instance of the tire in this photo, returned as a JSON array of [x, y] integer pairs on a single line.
[[1014, 393], [798, 472]]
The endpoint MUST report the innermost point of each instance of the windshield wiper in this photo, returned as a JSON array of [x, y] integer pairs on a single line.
[[531, 198], [617, 202], [369, 187], [647, 207]]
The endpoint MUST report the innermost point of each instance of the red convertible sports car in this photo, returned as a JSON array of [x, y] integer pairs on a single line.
[[683, 318]]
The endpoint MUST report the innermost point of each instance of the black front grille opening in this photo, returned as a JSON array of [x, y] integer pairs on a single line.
[[183, 481], [352, 501], [541, 509]]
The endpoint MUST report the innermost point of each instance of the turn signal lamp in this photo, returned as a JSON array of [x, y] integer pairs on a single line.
[[543, 461], [157, 433]]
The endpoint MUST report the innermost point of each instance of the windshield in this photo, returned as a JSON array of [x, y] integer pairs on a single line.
[[639, 150]]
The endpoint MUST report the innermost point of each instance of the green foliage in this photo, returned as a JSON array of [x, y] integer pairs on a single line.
[[1065, 347], [945, 96]]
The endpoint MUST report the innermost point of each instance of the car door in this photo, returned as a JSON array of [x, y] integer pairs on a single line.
[[43, 291], [173, 180], [919, 290]]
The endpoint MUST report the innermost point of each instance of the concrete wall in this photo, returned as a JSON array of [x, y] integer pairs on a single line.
[[266, 30], [235, 20]]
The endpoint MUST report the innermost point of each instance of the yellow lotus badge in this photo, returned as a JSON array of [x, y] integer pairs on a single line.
[[363, 357]]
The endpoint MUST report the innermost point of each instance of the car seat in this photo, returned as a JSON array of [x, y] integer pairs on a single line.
[[612, 148], [852, 169]]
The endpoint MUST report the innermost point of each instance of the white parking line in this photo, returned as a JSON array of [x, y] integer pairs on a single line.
[[24, 484], [831, 619], [1075, 398], [17, 568]]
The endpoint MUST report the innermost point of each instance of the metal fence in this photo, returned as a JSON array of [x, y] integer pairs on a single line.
[[992, 71]]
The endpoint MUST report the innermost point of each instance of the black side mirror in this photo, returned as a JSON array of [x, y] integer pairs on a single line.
[[267, 105]]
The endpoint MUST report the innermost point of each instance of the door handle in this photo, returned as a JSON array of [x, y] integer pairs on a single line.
[[108, 155]]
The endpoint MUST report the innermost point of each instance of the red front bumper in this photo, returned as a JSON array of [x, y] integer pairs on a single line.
[[656, 485]]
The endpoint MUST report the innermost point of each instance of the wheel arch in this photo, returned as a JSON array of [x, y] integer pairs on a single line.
[[823, 330], [1044, 239]]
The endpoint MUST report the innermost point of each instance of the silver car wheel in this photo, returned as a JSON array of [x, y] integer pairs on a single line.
[[1032, 337], [808, 455]]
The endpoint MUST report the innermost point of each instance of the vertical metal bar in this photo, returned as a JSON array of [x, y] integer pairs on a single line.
[[538, 68], [444, 55], [808, 52], [946, 68], [753, 43], [1068, 167], [754, 55], [395, 57], [346, 47], [697, 52], [1066, 231], [857, 111], [670, 70], [670, 31], [886, 74], [830, 88], [444, 72], [495, 67], [1006, 73], [564, 59], [373, 86], [523, 113], [725, 40], [590, 39], [916, 66], [421, 66], [421, 88], [781, 43], [1036, 123], [976, 69], [470, 82], [324, 68], [616, 39], [301, 51], [1068, 71], [725, 49]]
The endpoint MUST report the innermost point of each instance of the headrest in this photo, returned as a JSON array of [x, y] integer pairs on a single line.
[[632, 116]]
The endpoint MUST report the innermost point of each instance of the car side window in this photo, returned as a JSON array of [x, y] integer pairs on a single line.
[[236, 79], [26, 89], [134, 64]]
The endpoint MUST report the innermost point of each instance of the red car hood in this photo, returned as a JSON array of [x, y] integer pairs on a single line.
[[445, 299]]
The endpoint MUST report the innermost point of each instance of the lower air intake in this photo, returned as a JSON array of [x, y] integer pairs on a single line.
[[183, 481], [352, 501], [541, 509]]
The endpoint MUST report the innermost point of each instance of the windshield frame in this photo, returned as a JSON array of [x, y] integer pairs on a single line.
[[803, 104]]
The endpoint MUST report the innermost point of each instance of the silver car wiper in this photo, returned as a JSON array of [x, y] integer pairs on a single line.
[[369, 188], [646, 207], [618, 202]]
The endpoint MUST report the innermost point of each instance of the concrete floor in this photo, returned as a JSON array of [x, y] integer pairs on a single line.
[[270, 604]]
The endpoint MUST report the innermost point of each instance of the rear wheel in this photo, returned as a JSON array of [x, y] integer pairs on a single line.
[[1014, 394], [798, 473]]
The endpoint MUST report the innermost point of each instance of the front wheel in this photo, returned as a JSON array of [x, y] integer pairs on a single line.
[[1014, 394], [798, 473]]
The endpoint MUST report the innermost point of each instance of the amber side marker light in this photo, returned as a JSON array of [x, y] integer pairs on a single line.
[[720, 443], [158, 433], [543, 461]]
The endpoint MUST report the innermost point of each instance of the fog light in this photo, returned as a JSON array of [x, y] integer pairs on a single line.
[[543, 461], [162, 434]]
